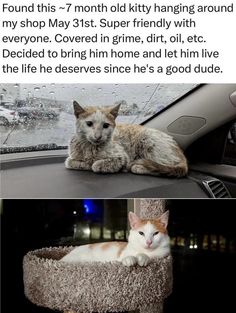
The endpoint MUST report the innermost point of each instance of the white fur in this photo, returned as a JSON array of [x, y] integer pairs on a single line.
[[86, 254], [137, 251], [160, 246]]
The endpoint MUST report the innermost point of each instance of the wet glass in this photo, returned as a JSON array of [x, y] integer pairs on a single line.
[[41, 116]]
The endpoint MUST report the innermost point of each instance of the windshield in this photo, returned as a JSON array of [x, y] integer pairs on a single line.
[[40, 116]]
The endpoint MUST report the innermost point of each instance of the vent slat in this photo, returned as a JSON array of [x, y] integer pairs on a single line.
[[214, 182], [222, 194], [217, 189]]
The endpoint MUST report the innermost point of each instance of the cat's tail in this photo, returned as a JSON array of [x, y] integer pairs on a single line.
[[145, 166]]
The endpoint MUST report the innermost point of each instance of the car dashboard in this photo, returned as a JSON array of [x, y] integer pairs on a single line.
[[43, 175]]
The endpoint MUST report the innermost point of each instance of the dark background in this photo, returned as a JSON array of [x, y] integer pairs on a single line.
[[204, 276]]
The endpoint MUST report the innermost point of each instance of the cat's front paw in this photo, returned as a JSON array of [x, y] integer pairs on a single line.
[[106, 166], [129, 260], [69, 163], [76, 165], [99, 167], [138, 169], [143, 259]]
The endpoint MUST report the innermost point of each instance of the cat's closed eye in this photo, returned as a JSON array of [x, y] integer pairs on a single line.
[[89, 123], [156, 233], [106, 125], [141, 233]]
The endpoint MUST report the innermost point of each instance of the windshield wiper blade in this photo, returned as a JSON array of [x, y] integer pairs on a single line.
[[40, 147]]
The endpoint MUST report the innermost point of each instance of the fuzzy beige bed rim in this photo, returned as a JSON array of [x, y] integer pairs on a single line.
[[96, 287]]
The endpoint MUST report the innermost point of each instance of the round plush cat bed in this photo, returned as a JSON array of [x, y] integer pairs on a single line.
[[94, 287]]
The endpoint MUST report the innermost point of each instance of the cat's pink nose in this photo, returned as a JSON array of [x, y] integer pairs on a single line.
[[98, 137], [149, 242]]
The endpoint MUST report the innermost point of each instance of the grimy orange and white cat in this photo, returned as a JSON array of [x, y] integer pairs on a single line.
[[104, 147], [148, 239]]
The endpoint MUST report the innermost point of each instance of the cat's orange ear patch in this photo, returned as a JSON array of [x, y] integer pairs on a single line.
[[134, 220], [161, 223], [164, 219], [78, 109], [115, 110]]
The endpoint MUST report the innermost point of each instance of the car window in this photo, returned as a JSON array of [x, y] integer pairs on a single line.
[[230, 147], [42, 114]]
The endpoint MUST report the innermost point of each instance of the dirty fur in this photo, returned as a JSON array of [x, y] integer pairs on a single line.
[[104, 147]]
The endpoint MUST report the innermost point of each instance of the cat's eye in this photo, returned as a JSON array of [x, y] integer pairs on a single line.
[[141, 233], [106, 125], [156, 233], [89, 123]]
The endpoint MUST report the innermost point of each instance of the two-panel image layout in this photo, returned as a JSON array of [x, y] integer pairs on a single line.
[[118, 197]]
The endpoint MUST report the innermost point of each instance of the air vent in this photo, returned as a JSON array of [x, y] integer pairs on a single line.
[[216, 189]]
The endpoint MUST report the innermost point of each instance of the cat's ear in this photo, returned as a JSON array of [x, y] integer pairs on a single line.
[[78, 109], [115, 110], [164, 218], [134, 220]]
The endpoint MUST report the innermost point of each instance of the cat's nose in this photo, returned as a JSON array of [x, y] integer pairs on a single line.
[[98, 137], [149, 242]]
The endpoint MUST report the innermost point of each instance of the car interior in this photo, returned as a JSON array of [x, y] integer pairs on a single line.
[[202, 122]]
